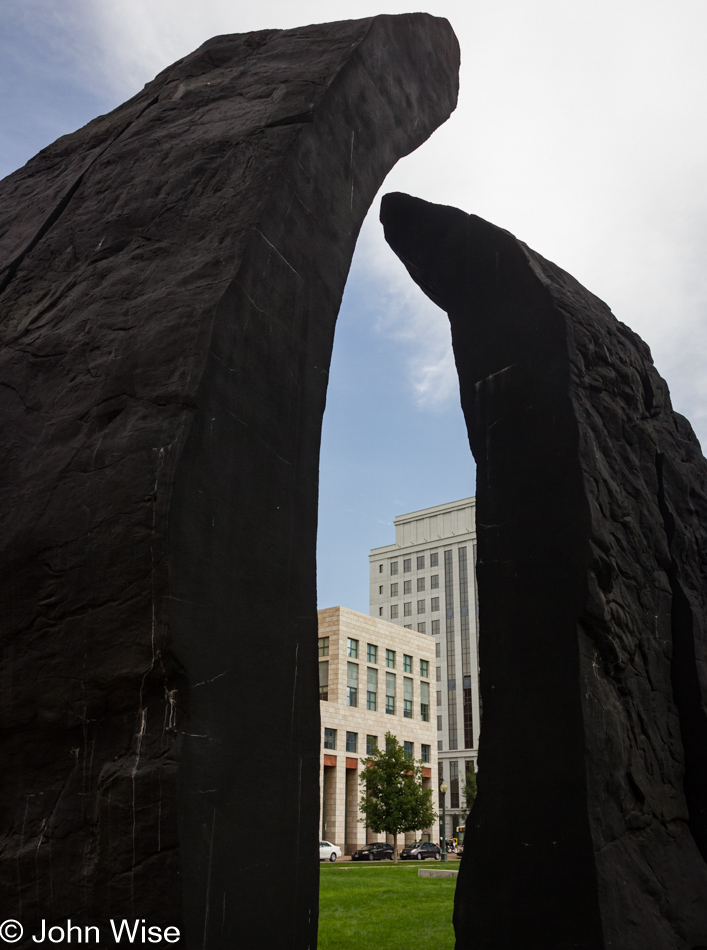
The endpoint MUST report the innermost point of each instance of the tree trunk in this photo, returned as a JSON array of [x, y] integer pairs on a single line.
[[395, 848]]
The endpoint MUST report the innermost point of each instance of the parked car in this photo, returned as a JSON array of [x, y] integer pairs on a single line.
[[328, 851], [375, 851], [421, 850]]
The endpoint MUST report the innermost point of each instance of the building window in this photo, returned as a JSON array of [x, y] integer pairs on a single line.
[[352, 649], [424, 701], [434, 604], [407, 565], [407, 626], [420, 584], [371, 744], [425, 669], [407, 587], [380, 568], [409, 749], [324, 646], [434, 581], [394, 612], [434, 559], [407, 663], [380, 611], [407, 697], [422, 627], [420, 562], [390, 693], [394, 589], [440, 745], [393, 567], [390, 659], [407, 609], [324, 680], [372, 689], [454, 785], [439, 723], [420, 606], [439, 697], [352, 742], [438, 674], [330, 739], [352, 684], [372, 653], [380, 590], [425, 752], [435, 632]]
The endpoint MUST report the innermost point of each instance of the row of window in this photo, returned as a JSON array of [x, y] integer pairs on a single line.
[[372, 655], [421, 584], [352, 690], [372, 744], [407, 563]]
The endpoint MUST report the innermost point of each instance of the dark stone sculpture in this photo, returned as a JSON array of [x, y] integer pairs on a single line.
[[589, 830], [170, 280]]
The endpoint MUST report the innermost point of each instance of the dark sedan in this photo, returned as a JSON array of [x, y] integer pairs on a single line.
[[375, 851], [421, 850]]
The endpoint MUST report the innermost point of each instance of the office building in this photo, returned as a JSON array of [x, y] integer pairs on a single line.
[[374, 677], [426, 582]]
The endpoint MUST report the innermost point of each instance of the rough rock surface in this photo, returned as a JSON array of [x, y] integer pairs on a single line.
[[170, 280], [589, 827]]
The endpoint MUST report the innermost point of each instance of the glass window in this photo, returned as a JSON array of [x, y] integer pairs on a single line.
[[439, 674], [407, 626], [380, 611], [380, 568], [407, 609], [372, 653], [324, 679], [434, 559], [420, 584], [390, 693], [425, 668], [393, 567], [407, 697], [422, 627], [409, 749], [372, 689], [424, 701], [407, 663], [352, 684], [330, 738], [440, 745], [425, 751], [407, 587], [454, 785], [434, 604], [390, 658], [324, 646], [439, 723], [420, 562], [352, 649], [407, 565], [435, 632], [434, 581], [352, 742], [371, 744], [394, 612], [380, 589], [439, 697], [420, 606], [394, 589]]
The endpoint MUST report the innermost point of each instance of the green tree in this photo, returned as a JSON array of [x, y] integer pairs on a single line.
[[470, 785], [393, 799]]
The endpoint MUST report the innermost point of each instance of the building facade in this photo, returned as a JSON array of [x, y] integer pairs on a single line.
[[374, 677], [426, 582]]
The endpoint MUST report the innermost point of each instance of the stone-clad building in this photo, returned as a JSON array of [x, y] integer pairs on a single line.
[[426, 582], [374, 677]]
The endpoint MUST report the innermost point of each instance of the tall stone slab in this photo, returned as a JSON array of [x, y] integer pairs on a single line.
[[589, 826], [171, 276]]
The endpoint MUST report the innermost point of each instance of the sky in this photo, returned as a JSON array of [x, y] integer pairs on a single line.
[[580, 128]]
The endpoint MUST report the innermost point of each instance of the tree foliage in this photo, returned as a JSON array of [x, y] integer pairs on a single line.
[[393, 799], [470, 786]]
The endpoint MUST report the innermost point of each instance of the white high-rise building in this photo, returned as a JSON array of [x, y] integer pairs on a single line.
[[426, 581]]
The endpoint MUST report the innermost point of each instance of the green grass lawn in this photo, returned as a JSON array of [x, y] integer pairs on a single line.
[[384, 906]]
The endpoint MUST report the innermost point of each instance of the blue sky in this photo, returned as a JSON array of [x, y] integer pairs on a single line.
[[580, 128]]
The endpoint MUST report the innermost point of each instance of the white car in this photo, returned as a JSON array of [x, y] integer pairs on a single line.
[[328, 851]]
